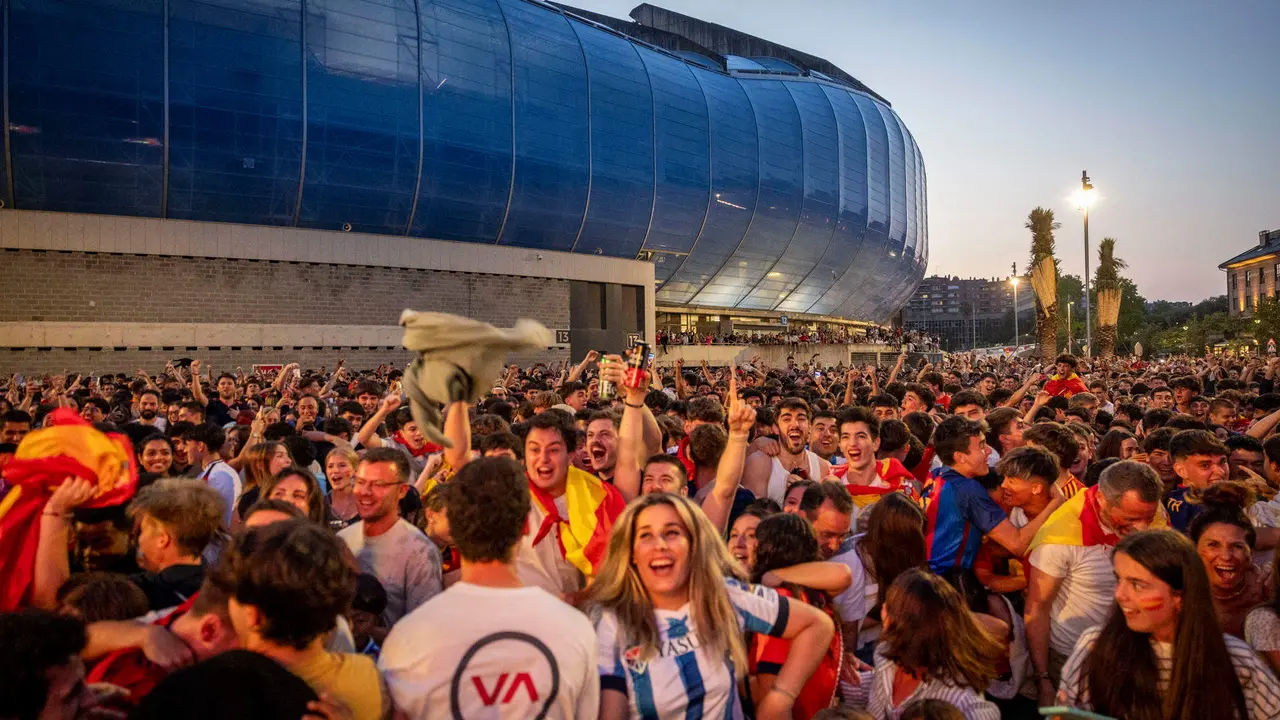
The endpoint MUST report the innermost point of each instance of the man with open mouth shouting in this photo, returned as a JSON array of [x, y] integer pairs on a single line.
[[767, 476]]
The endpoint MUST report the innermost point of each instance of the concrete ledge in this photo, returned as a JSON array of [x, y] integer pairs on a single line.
[[135, 335], [73, 232]]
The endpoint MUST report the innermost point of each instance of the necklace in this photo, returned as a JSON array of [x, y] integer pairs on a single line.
[[1231, 595]]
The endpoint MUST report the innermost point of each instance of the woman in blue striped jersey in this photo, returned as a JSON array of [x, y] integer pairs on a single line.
[[670, 608]]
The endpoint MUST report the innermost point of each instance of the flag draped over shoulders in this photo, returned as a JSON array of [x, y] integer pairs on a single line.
[[1079, 523], [583, 536], [69, 447]]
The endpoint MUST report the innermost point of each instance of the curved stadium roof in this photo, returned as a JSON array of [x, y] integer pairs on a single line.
[[770, 180]]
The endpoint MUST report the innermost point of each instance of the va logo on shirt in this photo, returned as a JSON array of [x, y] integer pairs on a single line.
[[487, 677]]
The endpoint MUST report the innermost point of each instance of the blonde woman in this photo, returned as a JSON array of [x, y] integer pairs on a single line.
[[666, 605], [340, 469]]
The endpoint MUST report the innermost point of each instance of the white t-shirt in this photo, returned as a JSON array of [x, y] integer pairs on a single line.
[[1086, 594], [226, 481], [543, 565], [496, 653], [852, 603], [684, 679], [403, 559]]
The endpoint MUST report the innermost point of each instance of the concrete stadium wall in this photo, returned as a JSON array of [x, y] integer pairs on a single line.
[[101, 293], [776, 355]]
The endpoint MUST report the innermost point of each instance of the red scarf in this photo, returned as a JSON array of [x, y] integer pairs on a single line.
[[1091, 530], [426, 449]]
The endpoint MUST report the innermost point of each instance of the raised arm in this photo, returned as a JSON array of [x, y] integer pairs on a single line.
[[581, 367], [197, 391], [742, 417], [52, 568], [1016, 398], [1263, 427], [706, 374], [278, 383], [457, 427], [897, 368], [631, 446], [1042, 397], [151, 384], [682, 390], [339, 373], [368, 435], [849, 378]]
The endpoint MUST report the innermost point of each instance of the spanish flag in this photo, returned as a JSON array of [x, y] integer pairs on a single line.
[[583, 537], [892, 476], [1078, 523], [69, 447]]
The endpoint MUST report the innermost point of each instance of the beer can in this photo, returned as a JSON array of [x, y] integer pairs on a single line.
[[636, 374], [607, 389]]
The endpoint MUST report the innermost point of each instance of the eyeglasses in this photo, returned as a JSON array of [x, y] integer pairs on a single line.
[[371, 484]]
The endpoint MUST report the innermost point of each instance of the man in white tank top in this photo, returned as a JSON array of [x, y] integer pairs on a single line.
[[767, 476]]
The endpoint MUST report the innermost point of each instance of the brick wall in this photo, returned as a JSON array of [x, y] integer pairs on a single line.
[[66, 286], [50, 286]]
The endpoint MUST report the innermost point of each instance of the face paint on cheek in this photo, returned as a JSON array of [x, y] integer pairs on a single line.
[[1152, 604]]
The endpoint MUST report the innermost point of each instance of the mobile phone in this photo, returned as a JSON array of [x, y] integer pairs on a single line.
[[651, 356], [1063, 711]]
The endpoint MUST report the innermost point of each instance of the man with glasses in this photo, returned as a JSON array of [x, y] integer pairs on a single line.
[[403, 559]]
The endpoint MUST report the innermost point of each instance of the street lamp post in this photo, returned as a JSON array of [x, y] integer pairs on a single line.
[[1069, 326], [1085, 199], [1014, 280]]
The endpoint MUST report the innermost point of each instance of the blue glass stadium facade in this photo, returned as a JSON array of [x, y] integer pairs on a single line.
[[751, 183]]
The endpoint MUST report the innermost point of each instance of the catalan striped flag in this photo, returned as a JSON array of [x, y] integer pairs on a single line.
[[583, 537]]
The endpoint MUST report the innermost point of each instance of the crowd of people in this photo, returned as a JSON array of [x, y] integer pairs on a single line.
[[976, 539], [914, 340]]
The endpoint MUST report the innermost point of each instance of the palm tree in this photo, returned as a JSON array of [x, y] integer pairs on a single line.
[[1107, 283], [1044, 279]]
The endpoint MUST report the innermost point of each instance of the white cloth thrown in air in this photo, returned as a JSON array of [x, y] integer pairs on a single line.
[[459, 359]]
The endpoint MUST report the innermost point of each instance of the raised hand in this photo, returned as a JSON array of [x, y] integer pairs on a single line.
[[390, 403], [71, 494], [741, 416]]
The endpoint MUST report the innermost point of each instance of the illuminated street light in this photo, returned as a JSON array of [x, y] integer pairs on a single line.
[[1083, 198]]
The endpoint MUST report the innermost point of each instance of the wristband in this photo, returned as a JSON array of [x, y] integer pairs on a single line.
[[790, 694], [638, 407], [1041, 677], [64, 516]]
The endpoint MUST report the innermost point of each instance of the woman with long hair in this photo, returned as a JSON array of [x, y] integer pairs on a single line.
[[931, 647], [1161, 654], [340, 469], [785, 541], [1225, 540], [262, 462], [666, 604], [894, 544], [298, 487], [1117, 443]]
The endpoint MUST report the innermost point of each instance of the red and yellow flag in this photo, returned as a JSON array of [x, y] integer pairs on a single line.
[[593, 506], [69, 447], [1078, 523]]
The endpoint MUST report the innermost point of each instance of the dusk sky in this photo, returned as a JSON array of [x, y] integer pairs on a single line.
[[1173, 107]]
